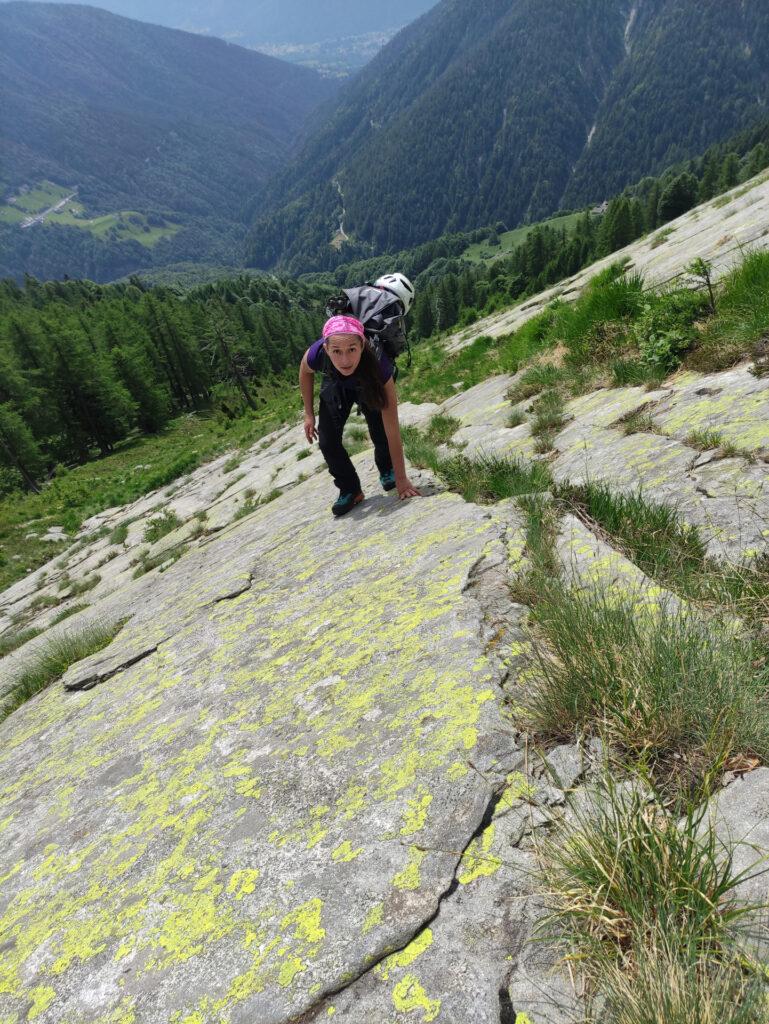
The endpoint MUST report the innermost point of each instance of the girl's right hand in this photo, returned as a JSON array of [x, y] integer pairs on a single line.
[[309, 427]]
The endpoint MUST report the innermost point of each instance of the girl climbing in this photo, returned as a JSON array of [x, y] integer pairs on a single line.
[[352, 373]]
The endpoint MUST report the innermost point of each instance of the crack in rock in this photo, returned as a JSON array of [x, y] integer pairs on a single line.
[[95, 676], [230, 596], [312, 1014]]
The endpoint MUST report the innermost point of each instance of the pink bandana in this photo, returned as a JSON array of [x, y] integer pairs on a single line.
[[343, 325]]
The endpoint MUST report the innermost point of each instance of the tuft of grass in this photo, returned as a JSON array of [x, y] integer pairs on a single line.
[[661, 237], [537, 378], [65, 614], [742, 318], [649, 533], [305, 453], [232, 463], [119, 534], [631, 373], [146, 563], [442, 428], [679, 983], [54, 660], [595, 327], [673, 553], [486, 479], [638, 422], [647, 903], [667, 688], [252, 503], [11, 642], [84, 585], [160, 526], [516, 418], [704, 440], [548, 419]]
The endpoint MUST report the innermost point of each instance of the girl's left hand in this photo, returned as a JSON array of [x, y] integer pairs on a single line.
[[406, 489]]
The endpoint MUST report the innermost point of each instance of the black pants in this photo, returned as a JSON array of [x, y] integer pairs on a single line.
[[335, 410]]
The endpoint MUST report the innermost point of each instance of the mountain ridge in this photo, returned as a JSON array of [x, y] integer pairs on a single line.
[[497, 128]]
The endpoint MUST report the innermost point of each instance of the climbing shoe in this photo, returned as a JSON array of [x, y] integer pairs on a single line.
[[387, 480], [345, 502]]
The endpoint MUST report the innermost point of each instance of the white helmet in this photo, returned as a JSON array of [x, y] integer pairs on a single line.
[[399, 285]]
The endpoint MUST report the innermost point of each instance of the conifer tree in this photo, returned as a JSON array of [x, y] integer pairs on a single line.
[[18, 449]]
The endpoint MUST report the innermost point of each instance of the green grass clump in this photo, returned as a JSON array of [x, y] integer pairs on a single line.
[[146, 563], [54, 660], [647, 903], [305, 453], [673, 553], [232, 463], [84, 585], [119, 534], [12, 641], [516, 418], [442, 428], [666, 687], [484, 480], [638, 422], [65, 614], [704, 440], [742, 316], [491, 478], [595, 327], [678, 983], [630, 373], [548, 419], [160, 526], [649, 533], [536, 379]]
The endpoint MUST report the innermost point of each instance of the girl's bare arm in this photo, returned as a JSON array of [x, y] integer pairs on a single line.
[[307, 388], [395, 443]]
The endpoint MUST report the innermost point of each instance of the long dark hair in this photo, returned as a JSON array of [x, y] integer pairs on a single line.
[[372, 392]]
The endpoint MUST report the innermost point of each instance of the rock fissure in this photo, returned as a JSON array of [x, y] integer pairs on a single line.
[[233, 594], [312, 1014], [95, 678]]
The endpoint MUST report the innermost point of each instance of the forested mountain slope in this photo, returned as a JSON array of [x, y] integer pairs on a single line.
[[142, 118], [470, 116], [693, 75]]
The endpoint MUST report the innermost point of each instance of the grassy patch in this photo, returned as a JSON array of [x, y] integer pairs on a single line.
[[442, 428], [667, 689], [54, 660], [673, 553], [84, 585], [742, 317], [232, 463], [486, 479], [661, 237], [516, 418], [160, 526], [647, 904], [119, 534], [547, 420], [637, 422], [537, 378], [305, 453], [65, 614], [704, 440], [146, 563], [12, 641]]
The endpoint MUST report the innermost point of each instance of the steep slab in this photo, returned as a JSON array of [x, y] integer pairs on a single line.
[[280, 791]]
